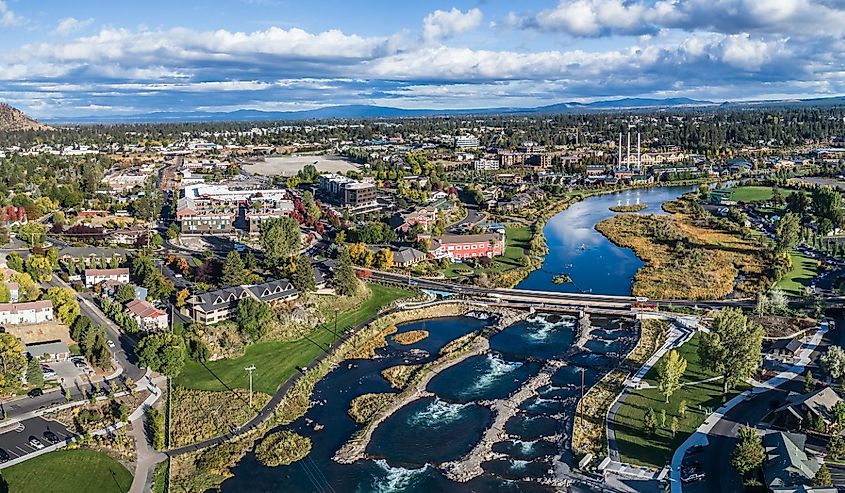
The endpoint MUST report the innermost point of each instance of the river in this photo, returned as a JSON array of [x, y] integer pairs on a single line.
[[409, 445]]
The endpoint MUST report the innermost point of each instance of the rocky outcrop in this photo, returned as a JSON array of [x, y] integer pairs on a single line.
[[13, 119]]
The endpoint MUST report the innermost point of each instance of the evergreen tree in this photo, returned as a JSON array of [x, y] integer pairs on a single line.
[[303, 276], [34, 375], [345, 281], [823, 477], [809, 383], [233, 270], [749, 452]]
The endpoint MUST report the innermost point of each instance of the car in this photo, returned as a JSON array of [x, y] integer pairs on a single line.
[[47, 374], [35, 442], [35, 393], [79, 364], [691, 473], [51, 437], [111, 343], [4, 456], [74, 359]]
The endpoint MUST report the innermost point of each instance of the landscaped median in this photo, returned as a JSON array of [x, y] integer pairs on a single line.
[[690, 406]]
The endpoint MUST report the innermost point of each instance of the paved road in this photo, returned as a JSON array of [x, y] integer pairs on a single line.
[[15, 440]]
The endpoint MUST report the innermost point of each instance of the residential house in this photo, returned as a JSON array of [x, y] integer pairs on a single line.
[[31, 312], [91, 255], [424, 216], [787, 468], [815, 406], [222, 304], [407, 256], [785, 348], [96, 276], [48, 351], [149, 317]]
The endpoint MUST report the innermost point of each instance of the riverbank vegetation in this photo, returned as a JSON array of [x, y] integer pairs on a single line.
[[282, 448], [589, 434], [365, 406], [400, 375], [410, 337], [199, 415], [629, 208], [690, 254]]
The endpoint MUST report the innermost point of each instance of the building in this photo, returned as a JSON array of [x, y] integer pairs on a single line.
[[91, 255], [48, 351], [485, 165], [407, 256], [96, 276], [147, 316], [815, 406], [460, 247], [404, 221], [787, 468], [356, 196], [466, 142], [219, 209], [31, 312], [222, 304]]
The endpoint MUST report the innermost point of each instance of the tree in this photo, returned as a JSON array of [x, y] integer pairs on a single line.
[[675, 425], [748, 455], [384, 259], [65, 304], [682, 408], [182, 297], [732, 348], [32, 233], [663, 418], [345, 282], [787, 232], [836, 447], [650, 421], [838, 412], [34, 375], [303, 275], [233, 269], [39, 267], [669, 373], [163, 352], [809, 383], [12, 363], [254, 317], [798, 202], [280, 239], [28, 290], [124, 293], [823, 477], [312, 210], [833, 362], [15, 262]]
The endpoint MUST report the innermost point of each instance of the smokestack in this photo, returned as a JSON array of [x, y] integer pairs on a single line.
[[639, 165], [628, 162], [619, 150]]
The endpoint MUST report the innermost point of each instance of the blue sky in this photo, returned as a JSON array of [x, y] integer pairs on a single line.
[[60, 58]]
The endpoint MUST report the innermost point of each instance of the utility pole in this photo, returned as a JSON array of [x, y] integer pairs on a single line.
[[250, 369], [581, 402]]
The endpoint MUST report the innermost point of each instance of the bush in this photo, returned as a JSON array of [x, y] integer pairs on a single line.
[[155, 422], [282, 448]]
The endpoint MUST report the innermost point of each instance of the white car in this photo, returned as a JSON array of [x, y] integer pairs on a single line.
[[36, 443], [111, 343]]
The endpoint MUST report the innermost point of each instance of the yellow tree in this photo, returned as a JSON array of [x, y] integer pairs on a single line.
[[669, 373]]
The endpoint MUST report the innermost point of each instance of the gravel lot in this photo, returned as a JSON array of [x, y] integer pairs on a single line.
[[289, 165]]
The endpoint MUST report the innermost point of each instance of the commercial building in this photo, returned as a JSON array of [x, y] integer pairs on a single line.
[[31, 312], [356, 196], [466, 142], [219, 209], [222, 304], [461, 247], [48, 351]]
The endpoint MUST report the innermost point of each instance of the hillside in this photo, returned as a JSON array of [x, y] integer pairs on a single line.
[[13, 119]]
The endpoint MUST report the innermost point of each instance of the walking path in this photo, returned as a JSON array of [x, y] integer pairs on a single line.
[[700, 435], [146, 457]]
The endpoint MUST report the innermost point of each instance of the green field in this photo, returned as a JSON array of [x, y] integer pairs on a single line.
[[755, 193], [276, 361], [517, 242], [656, 451], [804, 269], [69, 471]]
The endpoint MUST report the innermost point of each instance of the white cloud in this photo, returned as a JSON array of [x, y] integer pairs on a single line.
[[9, 18], [442, 24], [70, 25]]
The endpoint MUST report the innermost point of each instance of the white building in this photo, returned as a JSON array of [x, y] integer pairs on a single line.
[[466, 142], [96, 276], [31, 312], [148, 317]]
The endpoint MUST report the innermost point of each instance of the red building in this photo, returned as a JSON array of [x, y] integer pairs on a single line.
[[460, 247]]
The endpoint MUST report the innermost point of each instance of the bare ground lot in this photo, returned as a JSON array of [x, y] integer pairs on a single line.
[[48, 331], [820, 180], [289, 165]]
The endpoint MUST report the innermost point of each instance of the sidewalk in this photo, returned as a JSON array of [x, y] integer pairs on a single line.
[[700, 435]]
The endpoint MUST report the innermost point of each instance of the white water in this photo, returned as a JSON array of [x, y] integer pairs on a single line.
[[437, 412], [498, 368], [396, 479], [526, 447], [519, 465], [541, 328]]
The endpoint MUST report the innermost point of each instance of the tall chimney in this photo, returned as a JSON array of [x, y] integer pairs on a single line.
[[628, 162], [619, 149], [639, 165]]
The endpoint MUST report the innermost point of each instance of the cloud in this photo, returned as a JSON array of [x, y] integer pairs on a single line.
[[9, 18], [442, 24], [70, 25], [592, 18]]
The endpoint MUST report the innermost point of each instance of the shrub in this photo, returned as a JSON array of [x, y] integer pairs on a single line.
[[282, 448]]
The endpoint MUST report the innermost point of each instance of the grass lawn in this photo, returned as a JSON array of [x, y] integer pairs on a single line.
[[804, 269], [755, 193], [656, 451], [276, 361], [517, 242], [69, 471]]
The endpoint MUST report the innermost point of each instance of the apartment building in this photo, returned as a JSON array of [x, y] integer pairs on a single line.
[[222, 304], [96, 276], [31, 312], [356, 196]]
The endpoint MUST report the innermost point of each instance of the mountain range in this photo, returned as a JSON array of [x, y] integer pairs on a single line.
[[371, 111]]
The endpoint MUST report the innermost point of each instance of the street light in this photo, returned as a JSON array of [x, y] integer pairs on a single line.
[[250, 369]]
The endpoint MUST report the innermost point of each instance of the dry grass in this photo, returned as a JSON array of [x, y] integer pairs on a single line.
[[400, 375], [365, 406], [199, 415], [47, 331], [410, 337], [687, 257]]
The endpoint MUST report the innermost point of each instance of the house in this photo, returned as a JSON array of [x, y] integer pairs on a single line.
[[31, 312], [96, 276], [148, 317], [222, 304], [786, 348], [408, 256], [49, 351], [91, 255], [800, 407], [787, 468], [459, 247], [403, 222]]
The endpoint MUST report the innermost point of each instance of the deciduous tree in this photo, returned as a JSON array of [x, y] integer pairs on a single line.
[[669, 373], [732, 348], [163, 352]]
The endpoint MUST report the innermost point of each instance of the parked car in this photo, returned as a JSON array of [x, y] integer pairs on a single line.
[[48, 373], [35, 442], [51, 437], [4, 456], [35, 393], [111, 343]]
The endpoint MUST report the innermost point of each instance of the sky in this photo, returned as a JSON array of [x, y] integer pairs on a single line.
[[92, 57]]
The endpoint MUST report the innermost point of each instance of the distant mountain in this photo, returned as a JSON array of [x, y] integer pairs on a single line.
[[13, 119], [369, 111]]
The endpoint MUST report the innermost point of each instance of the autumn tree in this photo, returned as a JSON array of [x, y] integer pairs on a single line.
[[12, 363], [669, 373]]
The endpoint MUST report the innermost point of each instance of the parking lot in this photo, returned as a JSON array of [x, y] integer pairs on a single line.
[[66, 372], [14, 440]]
